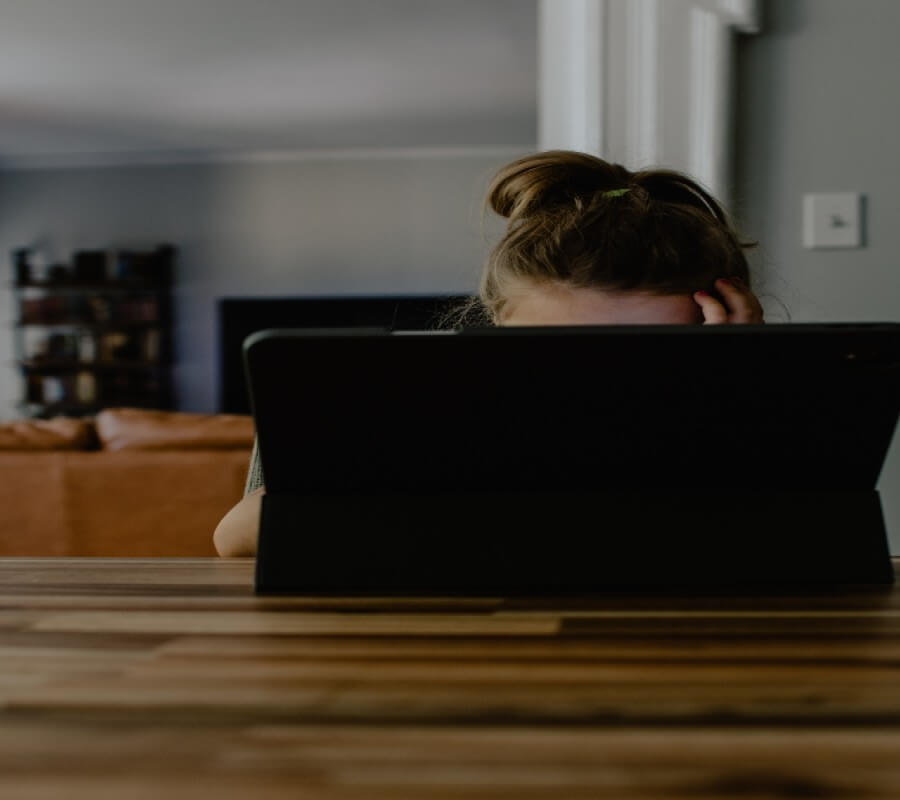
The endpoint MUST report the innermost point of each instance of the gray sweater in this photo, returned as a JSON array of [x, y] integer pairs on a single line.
[[254, 473]]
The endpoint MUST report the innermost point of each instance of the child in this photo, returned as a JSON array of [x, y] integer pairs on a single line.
[[588, 243]]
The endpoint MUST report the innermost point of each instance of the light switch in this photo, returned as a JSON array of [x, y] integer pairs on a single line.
[[832, 220]]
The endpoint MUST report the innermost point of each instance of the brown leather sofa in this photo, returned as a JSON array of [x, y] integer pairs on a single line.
[[125, 483]]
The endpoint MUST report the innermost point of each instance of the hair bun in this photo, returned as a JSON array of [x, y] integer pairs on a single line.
[[552, 179]]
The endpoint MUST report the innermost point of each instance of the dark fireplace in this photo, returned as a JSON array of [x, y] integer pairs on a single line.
[[240, 316]]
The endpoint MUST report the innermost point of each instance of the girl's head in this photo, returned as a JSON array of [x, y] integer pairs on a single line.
[[591, 242]]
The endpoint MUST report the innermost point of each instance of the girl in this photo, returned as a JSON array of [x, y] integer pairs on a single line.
[[587, 243]]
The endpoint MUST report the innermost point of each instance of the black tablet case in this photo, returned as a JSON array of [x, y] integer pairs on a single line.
[[532, 461]]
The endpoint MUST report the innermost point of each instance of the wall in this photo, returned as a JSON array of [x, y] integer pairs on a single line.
[[818, 112], [379, 224]]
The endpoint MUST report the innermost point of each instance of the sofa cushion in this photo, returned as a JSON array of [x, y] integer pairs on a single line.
[[143, 429], [60, 433]]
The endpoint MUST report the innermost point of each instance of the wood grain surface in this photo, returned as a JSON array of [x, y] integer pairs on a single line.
[[169, 678]]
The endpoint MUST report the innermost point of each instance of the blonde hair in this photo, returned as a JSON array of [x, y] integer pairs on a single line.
[[581, 221]]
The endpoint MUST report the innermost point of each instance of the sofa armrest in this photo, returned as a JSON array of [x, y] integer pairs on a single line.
[[117, 504]]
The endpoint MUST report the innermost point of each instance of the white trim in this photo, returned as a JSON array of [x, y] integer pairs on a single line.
[[745, 16], [713, 26], [700, 52], [593, 48], [643, 129], [710, 101], [572, 75], [186, 158]]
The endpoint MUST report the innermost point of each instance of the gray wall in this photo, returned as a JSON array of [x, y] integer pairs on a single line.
[[378, 225], [819, 111]]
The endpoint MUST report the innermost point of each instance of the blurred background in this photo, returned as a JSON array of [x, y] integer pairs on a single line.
[[334, 147], [329, 148]]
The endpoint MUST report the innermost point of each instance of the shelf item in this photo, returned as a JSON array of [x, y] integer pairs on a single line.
[[65, 306], [91, 366], [98, 287], [94, 334], [95, 267]]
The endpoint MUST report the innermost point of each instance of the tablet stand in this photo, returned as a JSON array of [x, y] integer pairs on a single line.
[[563, 543]]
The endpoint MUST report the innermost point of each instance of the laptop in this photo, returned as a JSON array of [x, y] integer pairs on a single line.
[[572, 460]]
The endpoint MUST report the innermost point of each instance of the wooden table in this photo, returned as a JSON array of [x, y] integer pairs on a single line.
[[169, 679]]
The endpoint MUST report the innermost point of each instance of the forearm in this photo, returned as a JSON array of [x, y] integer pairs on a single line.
[[236, 535]]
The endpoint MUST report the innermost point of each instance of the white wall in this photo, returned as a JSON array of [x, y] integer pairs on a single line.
[[819, 111], [407, 223]]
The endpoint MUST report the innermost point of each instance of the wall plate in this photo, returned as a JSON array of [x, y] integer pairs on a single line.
[[832, 220]]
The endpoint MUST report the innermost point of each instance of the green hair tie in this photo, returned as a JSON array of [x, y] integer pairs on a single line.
[[616, 193]]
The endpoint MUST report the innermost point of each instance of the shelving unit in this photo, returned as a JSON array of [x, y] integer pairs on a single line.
[[96, 333]]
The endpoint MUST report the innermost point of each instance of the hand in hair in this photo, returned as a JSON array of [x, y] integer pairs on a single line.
[[740, 306], [578, 221]]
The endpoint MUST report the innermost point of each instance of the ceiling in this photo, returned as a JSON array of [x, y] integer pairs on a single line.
[[132, 79]]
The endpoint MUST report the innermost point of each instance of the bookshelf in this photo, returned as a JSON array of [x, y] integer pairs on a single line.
[[95, 332]]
